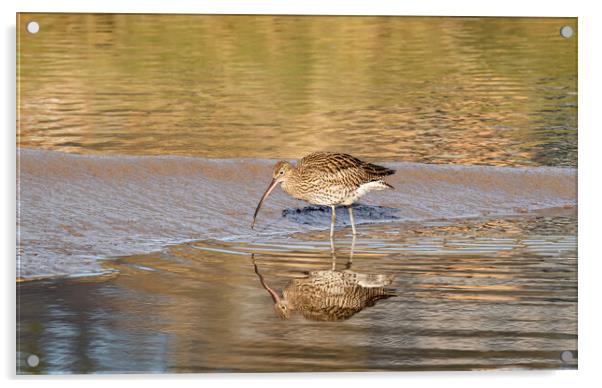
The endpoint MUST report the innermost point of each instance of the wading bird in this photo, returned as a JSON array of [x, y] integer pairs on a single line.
[[328, 178], [329, 295]]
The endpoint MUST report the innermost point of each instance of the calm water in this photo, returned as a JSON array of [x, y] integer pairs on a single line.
[[497, 91], [459, 295], [146, 141]]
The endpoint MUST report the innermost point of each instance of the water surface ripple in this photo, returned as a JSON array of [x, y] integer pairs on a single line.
[[494, 91], [473, 294]]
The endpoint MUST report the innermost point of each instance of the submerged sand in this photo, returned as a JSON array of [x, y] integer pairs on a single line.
[[75, 210]]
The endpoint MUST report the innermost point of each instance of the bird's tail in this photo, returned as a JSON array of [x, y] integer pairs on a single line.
[[377, 170]]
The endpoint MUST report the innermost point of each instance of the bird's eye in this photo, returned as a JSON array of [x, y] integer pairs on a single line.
[[281, 172]]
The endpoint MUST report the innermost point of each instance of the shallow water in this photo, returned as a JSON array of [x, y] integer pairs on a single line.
[[474, 294], [496, 91], [76, 209]]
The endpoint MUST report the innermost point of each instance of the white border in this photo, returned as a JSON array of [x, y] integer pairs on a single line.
[[316, 7], [590, 67]]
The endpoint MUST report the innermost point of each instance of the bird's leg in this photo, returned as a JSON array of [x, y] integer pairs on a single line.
[[350, 209], [333, 253], [350, 260], [332, 220]]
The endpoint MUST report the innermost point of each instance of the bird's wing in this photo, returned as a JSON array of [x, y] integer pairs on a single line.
[[333, 167]]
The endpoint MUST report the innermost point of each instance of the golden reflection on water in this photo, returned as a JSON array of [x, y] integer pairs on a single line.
[[498, 91], [329, 295], [202, 306]]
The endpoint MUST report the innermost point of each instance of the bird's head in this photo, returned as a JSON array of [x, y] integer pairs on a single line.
[[282, 171], [282, 309]]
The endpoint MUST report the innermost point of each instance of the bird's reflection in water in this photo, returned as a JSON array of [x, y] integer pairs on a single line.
[[329, 295]]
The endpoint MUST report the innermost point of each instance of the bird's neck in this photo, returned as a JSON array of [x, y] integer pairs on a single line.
[[291, 182]]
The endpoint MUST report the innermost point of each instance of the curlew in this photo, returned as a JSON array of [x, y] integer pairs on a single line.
[[329, 295], [330, 179]]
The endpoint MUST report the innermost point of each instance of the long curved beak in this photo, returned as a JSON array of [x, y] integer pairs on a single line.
[[273, 294], [265, 195]]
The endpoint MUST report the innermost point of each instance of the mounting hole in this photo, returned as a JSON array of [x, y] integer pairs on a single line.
[[566, 31], [566, 356], [33, 360], [32, 27]]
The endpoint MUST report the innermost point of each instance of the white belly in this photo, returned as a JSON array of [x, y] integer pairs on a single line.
[[363, 190], [338, 195]]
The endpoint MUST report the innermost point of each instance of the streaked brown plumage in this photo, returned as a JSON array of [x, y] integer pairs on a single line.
[[329, 295], [328, 178]]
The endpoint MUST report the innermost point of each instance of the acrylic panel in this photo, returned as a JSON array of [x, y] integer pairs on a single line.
[[149, 145]]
